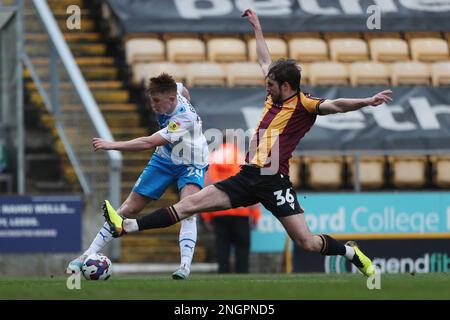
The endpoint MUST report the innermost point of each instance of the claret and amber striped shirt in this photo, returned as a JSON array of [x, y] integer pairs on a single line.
[[280, 130]]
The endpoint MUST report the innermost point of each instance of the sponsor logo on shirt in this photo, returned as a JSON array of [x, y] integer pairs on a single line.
[[173, 126]]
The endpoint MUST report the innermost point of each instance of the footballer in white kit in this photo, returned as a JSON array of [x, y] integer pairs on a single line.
[[181, 156], [184, 159]]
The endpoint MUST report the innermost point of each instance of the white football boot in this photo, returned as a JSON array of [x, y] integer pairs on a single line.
[[76, 264], [181, 274]]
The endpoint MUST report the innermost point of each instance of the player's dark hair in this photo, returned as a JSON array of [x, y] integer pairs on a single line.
[[285, 70], [162, 84]]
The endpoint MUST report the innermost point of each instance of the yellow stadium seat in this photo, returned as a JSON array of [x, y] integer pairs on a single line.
[[185, 50], [328, 73], [429, 49], [408, 171], [277, 48], [308, 49], [144, 50], [440, 73], [226, 50], [371, 171], [348, 50], [389, 49], [205, 74], [409, 35], [410, 73], [244, 74], [144, 71], [369, 73], [294, 171], [441, 170], [324, 172]]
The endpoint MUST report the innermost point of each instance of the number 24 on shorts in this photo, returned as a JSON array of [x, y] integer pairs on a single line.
[[282, 199], [192, 171]]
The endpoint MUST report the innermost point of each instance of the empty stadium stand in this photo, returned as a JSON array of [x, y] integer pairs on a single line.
[[326, 59], [392, 58]]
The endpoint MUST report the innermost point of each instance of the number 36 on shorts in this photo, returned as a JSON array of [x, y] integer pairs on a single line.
[[283, 196]]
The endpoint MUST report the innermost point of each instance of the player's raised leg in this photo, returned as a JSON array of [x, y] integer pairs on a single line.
[[298, 230], [130, 208], [209, 199]]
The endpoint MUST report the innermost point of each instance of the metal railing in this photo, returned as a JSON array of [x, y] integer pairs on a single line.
[[62, 89]]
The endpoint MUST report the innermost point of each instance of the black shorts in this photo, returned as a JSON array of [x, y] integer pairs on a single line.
[[249, 187]]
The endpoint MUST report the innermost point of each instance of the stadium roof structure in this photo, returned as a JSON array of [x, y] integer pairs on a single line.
[[140, 16]]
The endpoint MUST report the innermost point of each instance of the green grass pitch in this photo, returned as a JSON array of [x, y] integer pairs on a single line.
[[233, 287]]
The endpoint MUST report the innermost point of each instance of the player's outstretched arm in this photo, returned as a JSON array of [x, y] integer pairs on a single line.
[[262, 51], [346, 105], [138, 144]]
